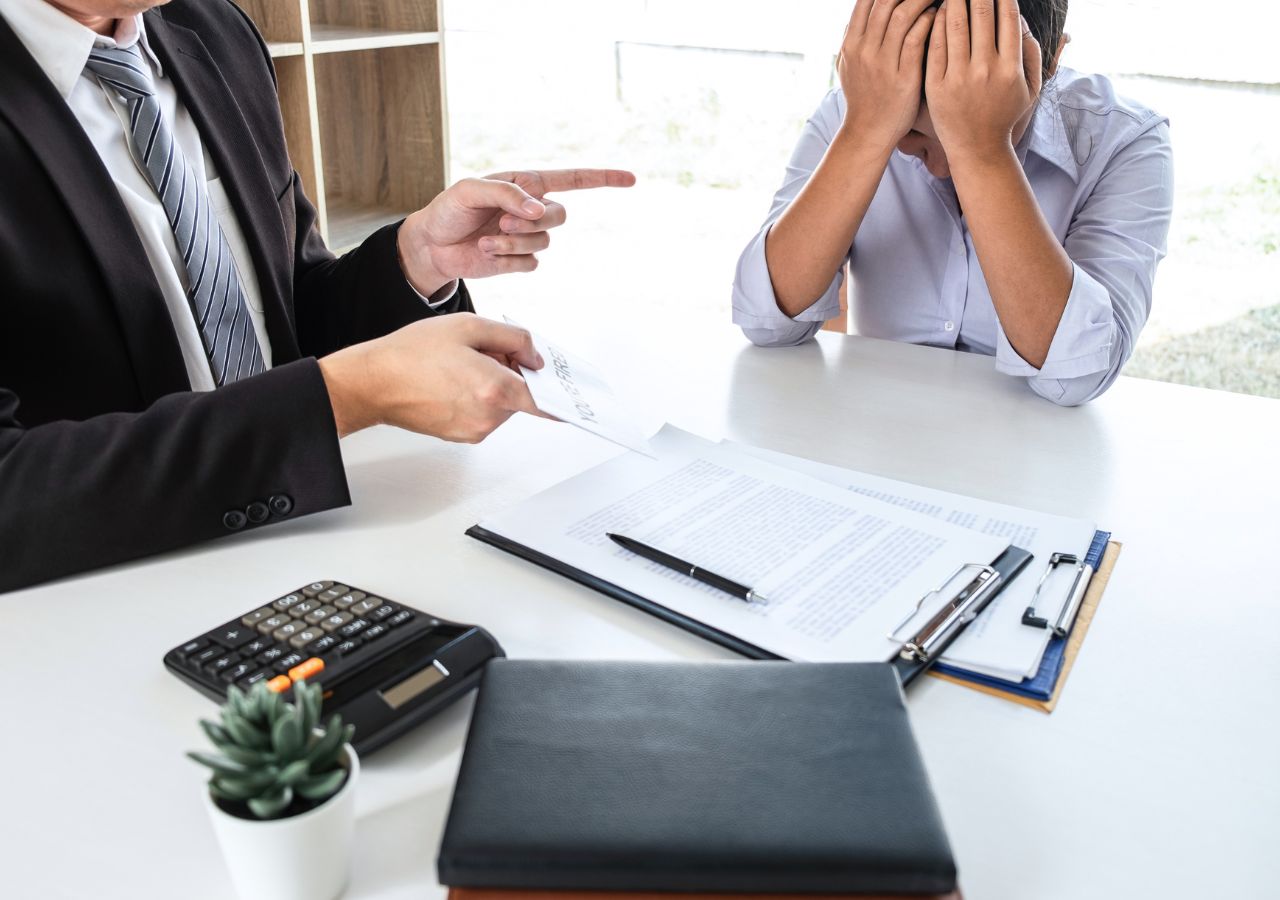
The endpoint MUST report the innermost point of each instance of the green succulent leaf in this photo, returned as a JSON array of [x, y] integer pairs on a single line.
[[320, 787], [236, 699], [294, 772], [255, 701], [244, 733], [273, 706], [271, 805], [309, 705], [325, 750], [247, 756], [286, 735], [216, 733], [250, 785], [219, 764]]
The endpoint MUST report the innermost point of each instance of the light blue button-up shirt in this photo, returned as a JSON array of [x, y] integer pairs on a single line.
[[1101, 169]]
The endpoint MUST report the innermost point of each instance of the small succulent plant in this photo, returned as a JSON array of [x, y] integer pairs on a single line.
[[273, 757]]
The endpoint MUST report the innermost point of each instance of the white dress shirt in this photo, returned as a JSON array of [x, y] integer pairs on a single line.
[[1101, 170], [61, 45]]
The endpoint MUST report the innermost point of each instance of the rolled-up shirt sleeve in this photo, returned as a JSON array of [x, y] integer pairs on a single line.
[[755, 306], [1115, 243]]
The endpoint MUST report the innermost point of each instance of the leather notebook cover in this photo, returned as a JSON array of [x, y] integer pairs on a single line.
[[731, 777], [506, 894]]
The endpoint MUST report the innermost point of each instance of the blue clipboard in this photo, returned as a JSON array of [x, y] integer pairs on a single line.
[[1041, 685]]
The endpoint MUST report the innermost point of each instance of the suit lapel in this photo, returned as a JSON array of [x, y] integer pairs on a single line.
[[226, 135], [36, 111]]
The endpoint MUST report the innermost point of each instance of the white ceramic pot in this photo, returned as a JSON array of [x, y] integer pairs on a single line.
[[303, 857]]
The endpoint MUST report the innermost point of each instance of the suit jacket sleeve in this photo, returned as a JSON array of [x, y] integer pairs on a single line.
[[77, 495]]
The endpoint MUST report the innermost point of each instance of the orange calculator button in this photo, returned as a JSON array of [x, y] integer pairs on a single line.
[[279, 684], [306, 669]]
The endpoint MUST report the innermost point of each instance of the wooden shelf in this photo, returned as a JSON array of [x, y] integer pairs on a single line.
[[341, 39], [361, 86], [279, 49]]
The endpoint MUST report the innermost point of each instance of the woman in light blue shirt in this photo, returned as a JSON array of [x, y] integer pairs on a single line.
[[976, 211]]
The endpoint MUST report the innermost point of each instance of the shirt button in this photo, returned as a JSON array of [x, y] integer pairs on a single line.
[[949, 326], [257, 512], [234, 520]]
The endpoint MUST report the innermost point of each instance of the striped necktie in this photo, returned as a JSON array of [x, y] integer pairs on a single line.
[[213, 285]]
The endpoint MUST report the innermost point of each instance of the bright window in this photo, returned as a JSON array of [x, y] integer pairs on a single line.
[[704, 99]]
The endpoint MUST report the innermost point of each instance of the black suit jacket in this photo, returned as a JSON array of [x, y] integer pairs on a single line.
[[105, 452]]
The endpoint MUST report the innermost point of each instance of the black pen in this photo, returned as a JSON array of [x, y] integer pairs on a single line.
[[728, 585]]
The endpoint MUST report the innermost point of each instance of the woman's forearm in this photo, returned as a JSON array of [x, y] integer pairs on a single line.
[[807, 245], [1027, 271]]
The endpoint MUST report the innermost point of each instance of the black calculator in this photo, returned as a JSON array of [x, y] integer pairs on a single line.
[[384, 666]]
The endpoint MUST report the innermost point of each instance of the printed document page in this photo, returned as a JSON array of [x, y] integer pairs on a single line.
[[574, 391], [997, 643], [840, 570]]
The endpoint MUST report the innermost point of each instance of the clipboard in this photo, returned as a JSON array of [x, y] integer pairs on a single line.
[[1043, 690], [1007, 566]]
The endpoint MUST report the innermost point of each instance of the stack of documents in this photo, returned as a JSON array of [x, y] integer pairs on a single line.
[[847, 561]]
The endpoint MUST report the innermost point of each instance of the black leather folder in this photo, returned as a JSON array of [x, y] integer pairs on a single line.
[[1009, 564], [728, 777]]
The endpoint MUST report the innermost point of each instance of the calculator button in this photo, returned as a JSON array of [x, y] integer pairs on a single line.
[[337, 620], [214, 666], [236, 672], [400, 618], [266, 626], [323, 645], [288, 662], [348, 647], [353, 628], [250, 680], [287, 630], [332, 593], [346, 599], [204, 656], [279, 684], [316, 587], [270, 656], [304, 637], [369, 604], [232, 636], [285, 602], [258, 615], [314, 618], [191, 647], [311, 667], [382, 612], [256, 646], [303, 608], [373, 632]]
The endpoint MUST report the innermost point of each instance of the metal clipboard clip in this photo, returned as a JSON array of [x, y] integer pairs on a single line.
[[1067, 615], [945, 625]]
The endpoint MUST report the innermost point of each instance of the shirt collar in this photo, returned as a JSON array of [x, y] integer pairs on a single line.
[[1047, 138], [60, 45]]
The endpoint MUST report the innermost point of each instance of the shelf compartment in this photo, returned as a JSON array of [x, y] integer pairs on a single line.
[[344, 39], [379, 15], [380, 114]]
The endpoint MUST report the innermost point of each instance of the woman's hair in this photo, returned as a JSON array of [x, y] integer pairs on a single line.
[[1047, 19]]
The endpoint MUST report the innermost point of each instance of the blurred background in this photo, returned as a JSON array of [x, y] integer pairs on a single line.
[[704, 99]]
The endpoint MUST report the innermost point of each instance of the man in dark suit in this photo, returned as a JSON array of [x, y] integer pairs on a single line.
[[179, 353]]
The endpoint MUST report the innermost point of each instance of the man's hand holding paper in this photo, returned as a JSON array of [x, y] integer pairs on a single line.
[[572, 390]]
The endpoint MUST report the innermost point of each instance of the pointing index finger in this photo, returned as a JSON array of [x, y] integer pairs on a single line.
[[548, 181]]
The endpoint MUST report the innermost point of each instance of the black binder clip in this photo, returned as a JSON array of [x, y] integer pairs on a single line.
[[1068, 612]]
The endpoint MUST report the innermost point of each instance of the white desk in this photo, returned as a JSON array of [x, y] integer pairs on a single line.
[[1157, 775]]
